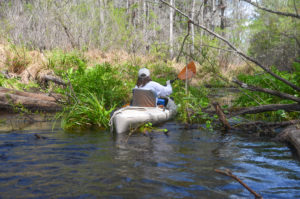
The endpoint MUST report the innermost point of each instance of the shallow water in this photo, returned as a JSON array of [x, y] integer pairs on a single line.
[[178, 165]]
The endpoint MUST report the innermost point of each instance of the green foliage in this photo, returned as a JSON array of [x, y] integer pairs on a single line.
[[15, 83], [90, 111], [267, 81], [190, 105], [60, 62], [97, 91], [274, 37], [103, 80], [159, 50], [146, 127]]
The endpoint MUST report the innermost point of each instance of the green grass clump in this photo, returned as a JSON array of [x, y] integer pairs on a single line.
[[96, 92], [89, 112]]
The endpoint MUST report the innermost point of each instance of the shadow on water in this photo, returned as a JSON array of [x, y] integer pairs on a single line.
[[178, 165]]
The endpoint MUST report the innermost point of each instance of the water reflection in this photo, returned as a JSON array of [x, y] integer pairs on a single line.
[[178, 165]]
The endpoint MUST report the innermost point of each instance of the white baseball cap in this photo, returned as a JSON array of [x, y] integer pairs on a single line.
[[144, 72]]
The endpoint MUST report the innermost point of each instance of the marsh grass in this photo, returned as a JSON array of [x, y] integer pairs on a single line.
[[89, 112], [97, 92]]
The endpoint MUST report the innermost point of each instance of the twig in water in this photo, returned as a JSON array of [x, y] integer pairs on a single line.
[[227, 172], [132, 130]]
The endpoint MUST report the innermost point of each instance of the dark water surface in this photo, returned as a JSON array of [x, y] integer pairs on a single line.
[[180, 165]]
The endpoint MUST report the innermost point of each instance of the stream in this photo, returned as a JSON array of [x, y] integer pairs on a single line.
[[43, 161], [40, 160]]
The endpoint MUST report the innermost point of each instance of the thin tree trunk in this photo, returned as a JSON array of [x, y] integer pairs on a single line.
[[172, 3], [145, 21], [222, 23], [127, 6], [192, 27], [101, 12]]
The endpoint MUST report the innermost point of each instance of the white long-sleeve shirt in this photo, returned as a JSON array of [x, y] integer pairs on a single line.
[[159, 89]]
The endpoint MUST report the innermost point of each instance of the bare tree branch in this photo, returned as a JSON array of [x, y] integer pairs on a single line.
[[221, 115], [264, 108], [227, 50], [235, 49], [274, 12], [182, 45], [266, 90]]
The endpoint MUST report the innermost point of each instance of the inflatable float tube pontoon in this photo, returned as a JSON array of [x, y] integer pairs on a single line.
[[131, 117]]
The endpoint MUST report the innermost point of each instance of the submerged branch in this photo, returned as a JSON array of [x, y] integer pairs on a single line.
[[228, 173]]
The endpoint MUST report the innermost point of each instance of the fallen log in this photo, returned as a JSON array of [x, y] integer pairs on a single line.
[[57, 80], [40, 96], [12, 100], [265, 108]]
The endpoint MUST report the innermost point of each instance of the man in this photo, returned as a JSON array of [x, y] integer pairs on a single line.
[[144, 81]]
